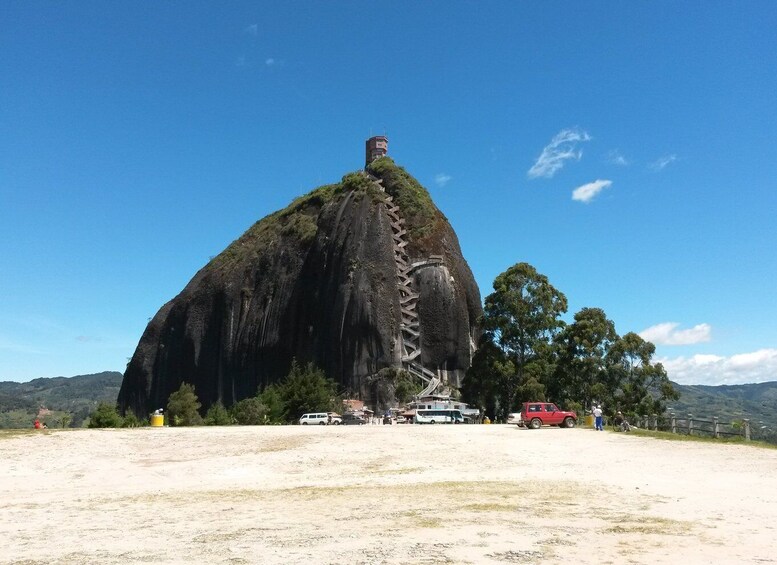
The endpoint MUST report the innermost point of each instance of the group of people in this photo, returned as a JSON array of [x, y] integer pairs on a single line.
[[38, 425], [619, 422]]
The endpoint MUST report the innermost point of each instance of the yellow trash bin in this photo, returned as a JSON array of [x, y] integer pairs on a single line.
[[157, 420], [589, 420]]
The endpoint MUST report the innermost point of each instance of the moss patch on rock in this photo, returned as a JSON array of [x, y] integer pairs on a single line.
[[420, 213]]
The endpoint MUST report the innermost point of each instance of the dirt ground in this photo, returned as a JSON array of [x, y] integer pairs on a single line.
[[382, 494]]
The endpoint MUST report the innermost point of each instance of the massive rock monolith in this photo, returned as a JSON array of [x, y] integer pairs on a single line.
[[356, 277]]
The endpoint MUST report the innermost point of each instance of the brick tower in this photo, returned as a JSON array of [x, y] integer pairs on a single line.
[[377, 147]]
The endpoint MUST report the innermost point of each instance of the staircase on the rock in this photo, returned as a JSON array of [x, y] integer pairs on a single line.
[[408, 298]]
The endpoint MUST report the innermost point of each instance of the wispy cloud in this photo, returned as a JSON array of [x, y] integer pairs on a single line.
[[269, 62], [663, 162], [241, 61], [615, 157], [755, 367], [441, 179], [88, 339], [587, 192], [253, 29], [561, 148], [668, 334]]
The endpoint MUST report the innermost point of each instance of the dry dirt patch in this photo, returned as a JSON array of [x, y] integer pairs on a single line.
[[381, 494]]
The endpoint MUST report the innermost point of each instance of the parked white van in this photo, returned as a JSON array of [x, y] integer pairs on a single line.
[[320, 418]]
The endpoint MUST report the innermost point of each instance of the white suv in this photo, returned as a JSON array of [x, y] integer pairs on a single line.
[[320, 418], [514, 418]]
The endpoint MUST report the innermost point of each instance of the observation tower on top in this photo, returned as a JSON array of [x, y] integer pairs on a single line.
[[377, 147]]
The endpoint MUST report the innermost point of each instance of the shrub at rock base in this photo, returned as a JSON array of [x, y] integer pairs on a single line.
[[250, 412], [105, 416], [183, 406], [218, 416]]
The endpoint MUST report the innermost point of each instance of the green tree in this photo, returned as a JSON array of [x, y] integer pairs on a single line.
[[272, 400], [520, 318], [250, 412], [641, 387], [217, 415], [306, 389], [486, 381], [106, 415], [405, 387], [65, 419], [183, 407], [581, 373]]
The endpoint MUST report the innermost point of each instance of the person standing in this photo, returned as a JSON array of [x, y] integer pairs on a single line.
[[598, 418]]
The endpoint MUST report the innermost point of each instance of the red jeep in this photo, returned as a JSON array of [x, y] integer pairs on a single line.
[[537, 414]]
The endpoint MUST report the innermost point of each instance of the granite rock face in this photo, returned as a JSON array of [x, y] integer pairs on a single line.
[[317, 282]]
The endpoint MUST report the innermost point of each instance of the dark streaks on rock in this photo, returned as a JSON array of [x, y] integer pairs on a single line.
[[315, 281]]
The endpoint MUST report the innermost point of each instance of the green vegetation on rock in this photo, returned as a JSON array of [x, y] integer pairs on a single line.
[[297, 221], [413, 199]]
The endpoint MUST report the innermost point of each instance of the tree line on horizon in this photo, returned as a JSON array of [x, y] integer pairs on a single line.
[[304, 389], [529, 353]]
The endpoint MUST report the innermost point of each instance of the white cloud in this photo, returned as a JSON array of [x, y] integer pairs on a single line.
[[668, 334], [442, 179], [269, 62], [615, 157], [586, 192], [662, 162], [560, 149], [253, 29], [756, 367]]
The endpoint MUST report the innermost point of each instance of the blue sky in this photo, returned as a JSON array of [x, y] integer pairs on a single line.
[[625, 149]]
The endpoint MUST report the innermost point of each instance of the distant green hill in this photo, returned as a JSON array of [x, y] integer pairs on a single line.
[[758, 402], [76, 396]]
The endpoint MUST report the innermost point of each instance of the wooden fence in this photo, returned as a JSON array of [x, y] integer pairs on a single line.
[[693, 425]]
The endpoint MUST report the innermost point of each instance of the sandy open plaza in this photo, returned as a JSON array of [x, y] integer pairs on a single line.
[[382, 494]]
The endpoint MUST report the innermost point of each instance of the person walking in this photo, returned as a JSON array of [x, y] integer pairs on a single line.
[[598, 418]]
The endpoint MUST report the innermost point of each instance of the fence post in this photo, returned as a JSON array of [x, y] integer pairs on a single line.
[[715, 426], [655, 421], [747, 429], [674, 423], [690, 424]]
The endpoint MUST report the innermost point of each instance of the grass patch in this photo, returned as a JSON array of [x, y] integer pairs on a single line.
[[413, 200], [699, 439], [417, 520], [655, 526], [401, 471], [282, 444], [490, 507], [14, 433], [297, 221]]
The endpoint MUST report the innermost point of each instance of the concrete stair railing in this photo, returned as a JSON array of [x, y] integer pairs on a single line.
[[408, 298]]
